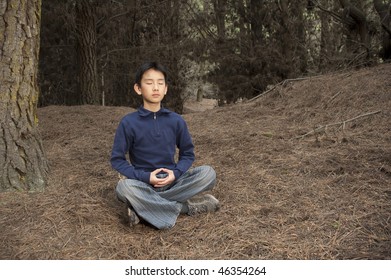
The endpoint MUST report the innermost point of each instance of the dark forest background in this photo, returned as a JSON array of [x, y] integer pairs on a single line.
[[228, 50]]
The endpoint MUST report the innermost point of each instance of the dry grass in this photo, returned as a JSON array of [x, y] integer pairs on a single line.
[[325, 196]]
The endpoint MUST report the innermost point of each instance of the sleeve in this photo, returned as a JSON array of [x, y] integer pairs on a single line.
[[122, 143], [186, 149]]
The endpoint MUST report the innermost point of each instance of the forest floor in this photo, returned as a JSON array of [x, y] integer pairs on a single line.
[[325, 195]]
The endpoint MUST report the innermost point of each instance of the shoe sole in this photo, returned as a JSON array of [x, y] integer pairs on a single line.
[[203, 204], [133, 219]]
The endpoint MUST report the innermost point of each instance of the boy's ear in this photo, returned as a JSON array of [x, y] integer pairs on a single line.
[[137, 89]]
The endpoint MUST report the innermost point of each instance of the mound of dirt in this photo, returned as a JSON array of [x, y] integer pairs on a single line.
[[304, 172]]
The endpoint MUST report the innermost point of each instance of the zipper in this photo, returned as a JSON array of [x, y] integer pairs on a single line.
[[157, 130]]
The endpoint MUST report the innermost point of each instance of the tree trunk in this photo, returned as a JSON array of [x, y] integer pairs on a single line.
[[22, 162], [257, 12], [86, 50], [324, 54], [220, 11], [301, 48], [286, 39], [132, 6], [172, 31], [356, 20], [384, 13]]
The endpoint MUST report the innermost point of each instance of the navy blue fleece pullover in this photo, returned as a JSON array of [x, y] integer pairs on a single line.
[[151, 140]]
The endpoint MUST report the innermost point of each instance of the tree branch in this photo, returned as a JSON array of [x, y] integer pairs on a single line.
[[283, 84], [105, 20], [384, 13], [324, 127], [333, 14]]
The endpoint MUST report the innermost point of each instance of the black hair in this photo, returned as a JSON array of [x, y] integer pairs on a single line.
[[147, 66]]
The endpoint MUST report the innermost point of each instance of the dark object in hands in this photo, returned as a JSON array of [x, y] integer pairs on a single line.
[[161, 175]]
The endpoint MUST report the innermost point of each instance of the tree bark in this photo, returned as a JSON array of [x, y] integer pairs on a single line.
[[23, 165], [132, 6], [292, 35], [220, 11], [257, 14], [384, 13], [355, 19], [86, 50], [325, 33], [301, 49]]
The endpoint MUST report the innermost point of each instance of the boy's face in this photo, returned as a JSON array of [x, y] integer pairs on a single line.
[[153, 87]]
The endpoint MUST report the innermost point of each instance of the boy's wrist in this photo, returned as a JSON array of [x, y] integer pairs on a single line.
[[145, 177], [177, 173]]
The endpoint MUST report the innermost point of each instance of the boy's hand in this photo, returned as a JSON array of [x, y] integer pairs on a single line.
[[158, 183]]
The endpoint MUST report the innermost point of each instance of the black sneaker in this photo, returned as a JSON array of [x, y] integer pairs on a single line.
[[202, 204], [133, 219]]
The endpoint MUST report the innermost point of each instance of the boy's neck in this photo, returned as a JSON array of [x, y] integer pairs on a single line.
[[153, 107]]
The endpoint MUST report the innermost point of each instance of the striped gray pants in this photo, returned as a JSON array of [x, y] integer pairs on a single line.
[[161, 206]]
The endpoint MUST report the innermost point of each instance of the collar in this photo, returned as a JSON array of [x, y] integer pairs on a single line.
[[144, 112]]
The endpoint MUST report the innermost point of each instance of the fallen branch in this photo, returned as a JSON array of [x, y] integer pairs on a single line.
[[324, 127], [334, 96], [263, 93], [283, 84]]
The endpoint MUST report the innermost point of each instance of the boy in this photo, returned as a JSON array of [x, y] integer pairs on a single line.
[[157, 188]]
